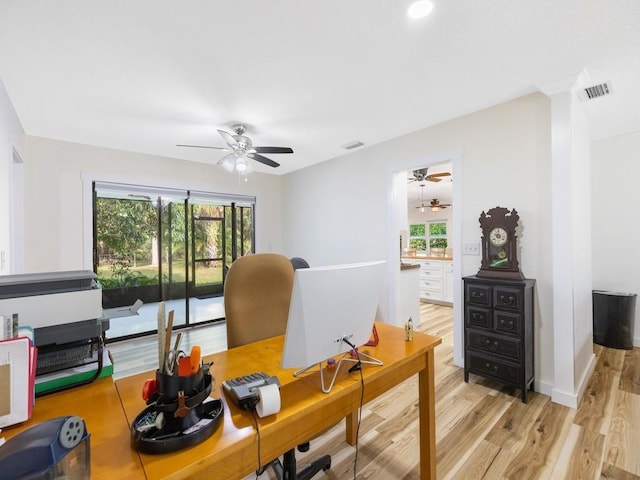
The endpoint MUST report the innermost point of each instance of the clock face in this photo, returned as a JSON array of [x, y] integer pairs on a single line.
[[498, 236]]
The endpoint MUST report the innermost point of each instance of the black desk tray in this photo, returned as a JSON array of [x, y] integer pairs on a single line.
[[204, 420]]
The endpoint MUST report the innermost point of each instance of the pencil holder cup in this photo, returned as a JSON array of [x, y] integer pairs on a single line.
[[177, 415]]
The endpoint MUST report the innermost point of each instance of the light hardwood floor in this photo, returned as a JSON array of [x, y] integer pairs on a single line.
[[483, 430]]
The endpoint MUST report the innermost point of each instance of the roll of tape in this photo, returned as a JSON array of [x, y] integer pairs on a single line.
[[269, 402]]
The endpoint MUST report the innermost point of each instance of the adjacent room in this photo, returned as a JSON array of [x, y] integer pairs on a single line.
[[472, 164]]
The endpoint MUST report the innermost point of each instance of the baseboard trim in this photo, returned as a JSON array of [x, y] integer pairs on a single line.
[[572, 400]]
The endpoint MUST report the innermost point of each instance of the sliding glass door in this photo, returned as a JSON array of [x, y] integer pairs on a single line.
[[175, 246]]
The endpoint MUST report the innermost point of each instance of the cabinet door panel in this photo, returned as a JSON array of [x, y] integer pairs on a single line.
[[490, 366], [479, 294], [494, 344], [507, 297], [507, 322], [478, 317]]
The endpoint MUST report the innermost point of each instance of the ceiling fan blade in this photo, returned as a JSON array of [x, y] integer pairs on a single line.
[[228, 138], [261, 159], [435, 177], [203, 146], [273, 149]]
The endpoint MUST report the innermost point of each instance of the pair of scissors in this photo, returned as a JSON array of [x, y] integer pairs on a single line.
[[172, 360]]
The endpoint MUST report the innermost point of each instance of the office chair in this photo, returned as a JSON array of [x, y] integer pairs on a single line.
[[257, 293], [298, 262]]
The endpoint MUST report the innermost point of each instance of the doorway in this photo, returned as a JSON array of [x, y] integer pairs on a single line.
[[406, 204]]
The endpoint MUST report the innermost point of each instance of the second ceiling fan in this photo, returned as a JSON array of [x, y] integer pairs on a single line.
[[241, 148], [434, 204], [421, 174]]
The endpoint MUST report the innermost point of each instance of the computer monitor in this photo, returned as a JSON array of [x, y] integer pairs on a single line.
[[329, 304]]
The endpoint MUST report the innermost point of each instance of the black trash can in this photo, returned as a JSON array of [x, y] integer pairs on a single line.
[[613, 319]]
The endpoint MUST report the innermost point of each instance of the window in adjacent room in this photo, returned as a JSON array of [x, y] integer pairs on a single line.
[[438, 237], [418, 237]]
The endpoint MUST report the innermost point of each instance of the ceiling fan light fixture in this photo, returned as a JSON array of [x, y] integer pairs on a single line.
[[420, 9], [228, 163], [242, 165]]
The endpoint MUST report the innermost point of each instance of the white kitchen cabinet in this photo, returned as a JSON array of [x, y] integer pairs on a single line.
[[436, 279]]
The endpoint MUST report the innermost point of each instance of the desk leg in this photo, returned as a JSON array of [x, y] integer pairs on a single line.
[[351, 427], [427, 396]]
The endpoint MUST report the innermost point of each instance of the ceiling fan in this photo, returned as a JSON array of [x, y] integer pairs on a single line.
[[420, 175], [434, 204], [241, 148]]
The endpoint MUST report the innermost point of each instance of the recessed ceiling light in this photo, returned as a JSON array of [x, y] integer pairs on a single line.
[[420, 9]]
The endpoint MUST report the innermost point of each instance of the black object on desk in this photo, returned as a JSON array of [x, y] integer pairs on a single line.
[[179, 414], [242, 390]]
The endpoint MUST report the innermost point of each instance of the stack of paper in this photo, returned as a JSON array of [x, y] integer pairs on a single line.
[[17, 377]]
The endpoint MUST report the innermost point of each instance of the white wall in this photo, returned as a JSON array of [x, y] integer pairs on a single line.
[[54, 202], [11, 137], [615, 174], [336, 211], [570, 242]]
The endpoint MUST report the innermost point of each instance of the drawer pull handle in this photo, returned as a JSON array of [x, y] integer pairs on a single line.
[[477, 316], [491, 369], [510, 300], [506, 325], [493, 346], [477, 294]]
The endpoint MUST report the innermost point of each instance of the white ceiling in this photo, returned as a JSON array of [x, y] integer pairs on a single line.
[[144, 75]]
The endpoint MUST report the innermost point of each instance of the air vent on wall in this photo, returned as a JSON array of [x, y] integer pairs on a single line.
[[597, 91], [352, 145]]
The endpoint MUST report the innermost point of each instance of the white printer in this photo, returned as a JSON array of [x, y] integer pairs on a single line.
[[65, 311]]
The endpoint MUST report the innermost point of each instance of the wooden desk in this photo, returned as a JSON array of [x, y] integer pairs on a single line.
[[99, 405], [231, 452]]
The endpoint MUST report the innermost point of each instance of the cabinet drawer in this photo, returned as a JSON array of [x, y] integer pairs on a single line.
[[507, 297], [478, 294], [430, 294], [500, 369], [431, 265], [430, 274], [494, 344], [507, 322], [478, 317], [431, 283]]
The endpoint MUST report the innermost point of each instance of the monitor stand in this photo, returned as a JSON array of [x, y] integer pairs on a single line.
[[362, 358]]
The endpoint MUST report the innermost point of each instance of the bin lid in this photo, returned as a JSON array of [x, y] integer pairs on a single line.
[[617, 294]]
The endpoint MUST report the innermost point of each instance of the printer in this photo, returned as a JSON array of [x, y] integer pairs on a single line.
[[64, 309]]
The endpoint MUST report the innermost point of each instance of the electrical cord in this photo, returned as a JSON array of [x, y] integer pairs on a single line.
[[357, 366], [260, 469]]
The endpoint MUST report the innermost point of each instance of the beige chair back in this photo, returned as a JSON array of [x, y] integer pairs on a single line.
[[257, 293]]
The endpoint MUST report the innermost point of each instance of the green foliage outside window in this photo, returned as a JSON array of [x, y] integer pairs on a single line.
[[417, 230], [437, 228], [437, 235], [418, 243], [438, 243], [418, 237]]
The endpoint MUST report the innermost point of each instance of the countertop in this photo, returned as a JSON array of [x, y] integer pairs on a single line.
[[408, 266], [426, 257]]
